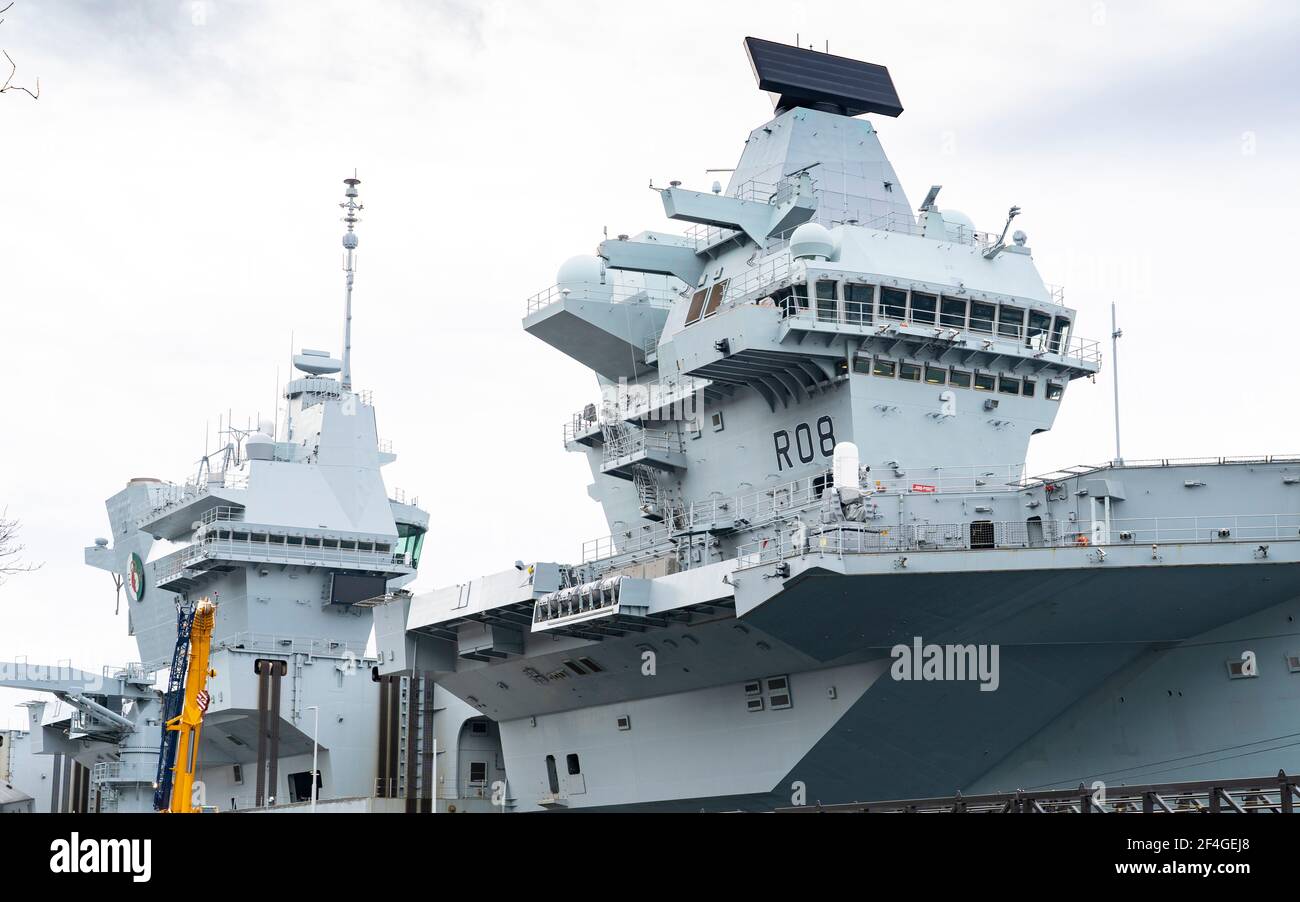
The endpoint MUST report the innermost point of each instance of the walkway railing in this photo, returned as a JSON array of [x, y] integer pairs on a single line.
[[596, 291], [979, 535]]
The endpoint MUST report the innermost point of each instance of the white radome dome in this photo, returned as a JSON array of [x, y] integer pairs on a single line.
[[259, 446], [812, 239], [584, 277], [957, 224]]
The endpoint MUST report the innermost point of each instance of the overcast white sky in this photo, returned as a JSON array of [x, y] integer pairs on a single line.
[[169, 222]]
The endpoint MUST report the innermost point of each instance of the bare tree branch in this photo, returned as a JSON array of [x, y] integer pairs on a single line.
[[13, 69], [11, 550]]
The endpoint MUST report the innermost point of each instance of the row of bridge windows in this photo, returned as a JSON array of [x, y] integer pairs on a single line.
[[939, 375], [864, 305]]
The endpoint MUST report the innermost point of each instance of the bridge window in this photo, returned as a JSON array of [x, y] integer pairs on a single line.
[[923, 308], [697, 305], [1039, 325], [936, 375], [1054, 391], [858, 301], [984, 381], [800, 293], [959, 378], [1029, 388], [1060, 335], [893, 303], [953, 313], [909, 371], [1011, 322], [1008, 386], [715, 297], [981, 317], [827, 310], [883, 368]]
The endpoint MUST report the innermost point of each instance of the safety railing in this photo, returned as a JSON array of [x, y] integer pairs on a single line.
[[1005, 338], [638, 441], [906, 224], [1199, 529], [105, 771], [221, 514], [601, 291], [648, 539], [273, 549], [1275, 794], [795, 540], [705, 236], [308, 645]]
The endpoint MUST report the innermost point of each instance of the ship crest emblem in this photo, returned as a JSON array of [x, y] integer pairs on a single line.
[[135, 578]]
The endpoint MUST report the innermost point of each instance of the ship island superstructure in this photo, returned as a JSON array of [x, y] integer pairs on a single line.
[[729, 644], [289, 529]]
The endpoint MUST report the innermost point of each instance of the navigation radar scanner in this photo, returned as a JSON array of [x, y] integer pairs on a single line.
[[316, 363], [796, 77]]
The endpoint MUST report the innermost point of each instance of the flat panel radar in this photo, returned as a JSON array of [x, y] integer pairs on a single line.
[[806, 78]]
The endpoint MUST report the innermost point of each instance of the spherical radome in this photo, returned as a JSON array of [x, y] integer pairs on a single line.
[[812, 239], [957, 224], [583, 269]]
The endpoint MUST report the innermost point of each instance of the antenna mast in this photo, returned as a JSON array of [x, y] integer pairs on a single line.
[[350, 209], [1116, 333]]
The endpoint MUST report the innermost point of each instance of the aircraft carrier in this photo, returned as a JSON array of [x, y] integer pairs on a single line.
[[828, 579]]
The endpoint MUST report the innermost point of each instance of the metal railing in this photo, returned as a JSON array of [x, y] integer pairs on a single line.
[[907, 224], [221, 514], [601, 291], [637, 441], [1008, 338], [1275, 795], [1200, 529], [174, 495], [264, 549], [652, 540], [105, 771], [979, 535], [307, 645]]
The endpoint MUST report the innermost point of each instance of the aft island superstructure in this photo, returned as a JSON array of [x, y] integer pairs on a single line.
[[815, 407]]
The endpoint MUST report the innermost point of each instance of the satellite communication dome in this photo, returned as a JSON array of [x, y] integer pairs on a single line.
[[584, 276], [957, 224], [259, 446], [812, 239]]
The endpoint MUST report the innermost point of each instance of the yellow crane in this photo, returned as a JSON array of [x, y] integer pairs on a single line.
[[189, 723]]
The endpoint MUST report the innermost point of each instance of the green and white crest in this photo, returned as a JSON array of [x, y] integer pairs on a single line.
[[135, 578]]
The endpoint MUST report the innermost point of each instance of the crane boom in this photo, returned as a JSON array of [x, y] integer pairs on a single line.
[[189, 723]]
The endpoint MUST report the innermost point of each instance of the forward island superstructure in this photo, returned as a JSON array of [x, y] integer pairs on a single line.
[[289, 529]]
